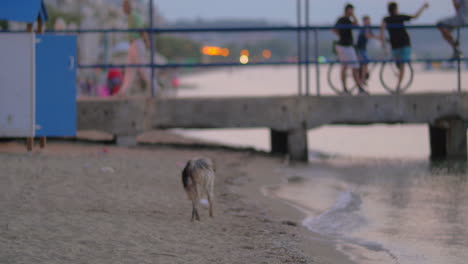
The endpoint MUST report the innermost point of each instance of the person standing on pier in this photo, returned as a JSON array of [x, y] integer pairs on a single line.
[[447, 25], [399, 38], [345, 48], [139, 43], [365, 34]]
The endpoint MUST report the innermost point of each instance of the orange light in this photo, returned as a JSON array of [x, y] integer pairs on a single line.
[[224, 52], [266, 54], [245, 52], [244, 59], [215, 51]]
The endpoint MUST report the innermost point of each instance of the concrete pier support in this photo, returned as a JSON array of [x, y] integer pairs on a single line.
[[449, 140], [279, 141], [291, 115], [292, 142]]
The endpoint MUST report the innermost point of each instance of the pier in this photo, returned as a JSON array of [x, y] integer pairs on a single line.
[[288, 118]]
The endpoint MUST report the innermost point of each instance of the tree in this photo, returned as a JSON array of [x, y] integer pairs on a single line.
[[3, 24], [178, 48], [54, 14]]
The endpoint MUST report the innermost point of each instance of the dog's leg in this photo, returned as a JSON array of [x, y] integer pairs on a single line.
[[210, 201], [196, 215], [195, 209], [210, 191], [193, 214]]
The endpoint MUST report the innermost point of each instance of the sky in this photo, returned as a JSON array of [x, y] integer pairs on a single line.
[[321, 11]]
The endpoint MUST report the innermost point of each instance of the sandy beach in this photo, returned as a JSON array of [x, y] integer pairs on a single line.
[[78, 202]]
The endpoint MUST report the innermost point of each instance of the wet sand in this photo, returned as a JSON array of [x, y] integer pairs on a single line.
[[94, 203]]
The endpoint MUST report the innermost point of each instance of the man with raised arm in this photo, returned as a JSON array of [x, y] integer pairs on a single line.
[[447, 25], [345, 48], [399, 38]]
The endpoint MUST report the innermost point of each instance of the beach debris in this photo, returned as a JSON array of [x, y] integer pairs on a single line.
[[238, 180], [264, 220], [295, 179], [107, 170], [248, 247], [289, 223], [164, 254]]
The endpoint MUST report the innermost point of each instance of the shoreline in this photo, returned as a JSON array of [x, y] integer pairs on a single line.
[[258, 228], [315, 245]]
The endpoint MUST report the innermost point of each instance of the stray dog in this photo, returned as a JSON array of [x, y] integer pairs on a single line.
[[198, 178]]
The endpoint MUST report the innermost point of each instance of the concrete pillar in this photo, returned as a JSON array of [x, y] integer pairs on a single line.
[[456, 140], [279, 141], [292, 142], [438, 139], [449, 140], [126, 141], [297, 145]]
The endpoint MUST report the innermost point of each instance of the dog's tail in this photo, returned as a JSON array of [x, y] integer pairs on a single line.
[[186, 176]]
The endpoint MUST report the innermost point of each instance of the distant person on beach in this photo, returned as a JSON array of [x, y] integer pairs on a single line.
[[399, 38], [345, 47], [447, 25], [365, 34], [60, 24], [114, 81], [139, 43]]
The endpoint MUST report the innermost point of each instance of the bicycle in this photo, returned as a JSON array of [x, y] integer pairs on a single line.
[[388, 74]]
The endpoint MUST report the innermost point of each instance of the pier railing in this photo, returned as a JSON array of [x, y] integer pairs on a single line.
[[308, 53]]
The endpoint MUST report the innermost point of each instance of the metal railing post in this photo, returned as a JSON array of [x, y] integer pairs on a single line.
[[317, 62], [299, 52], [307, 85], [151, 47], [300, 46], [105, 45], [459, 80]]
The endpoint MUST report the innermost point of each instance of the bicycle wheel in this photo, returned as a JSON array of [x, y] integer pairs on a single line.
[[389, 75], [334, 78]]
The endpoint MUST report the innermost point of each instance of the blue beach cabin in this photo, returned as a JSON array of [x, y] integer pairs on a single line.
[[37, 76], [23, 10]]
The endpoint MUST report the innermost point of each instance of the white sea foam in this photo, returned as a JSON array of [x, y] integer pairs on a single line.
[[342, 218]]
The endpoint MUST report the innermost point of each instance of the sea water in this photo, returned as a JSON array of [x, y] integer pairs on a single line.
[[370, 190]]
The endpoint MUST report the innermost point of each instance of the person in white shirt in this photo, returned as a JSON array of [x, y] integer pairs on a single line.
[[447, 25]]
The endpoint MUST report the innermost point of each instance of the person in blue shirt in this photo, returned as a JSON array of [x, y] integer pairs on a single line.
[[365, 34]]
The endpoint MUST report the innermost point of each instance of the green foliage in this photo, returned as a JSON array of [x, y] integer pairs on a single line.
[[54, 14], [4, 24], [178, 48], [279, 48]]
